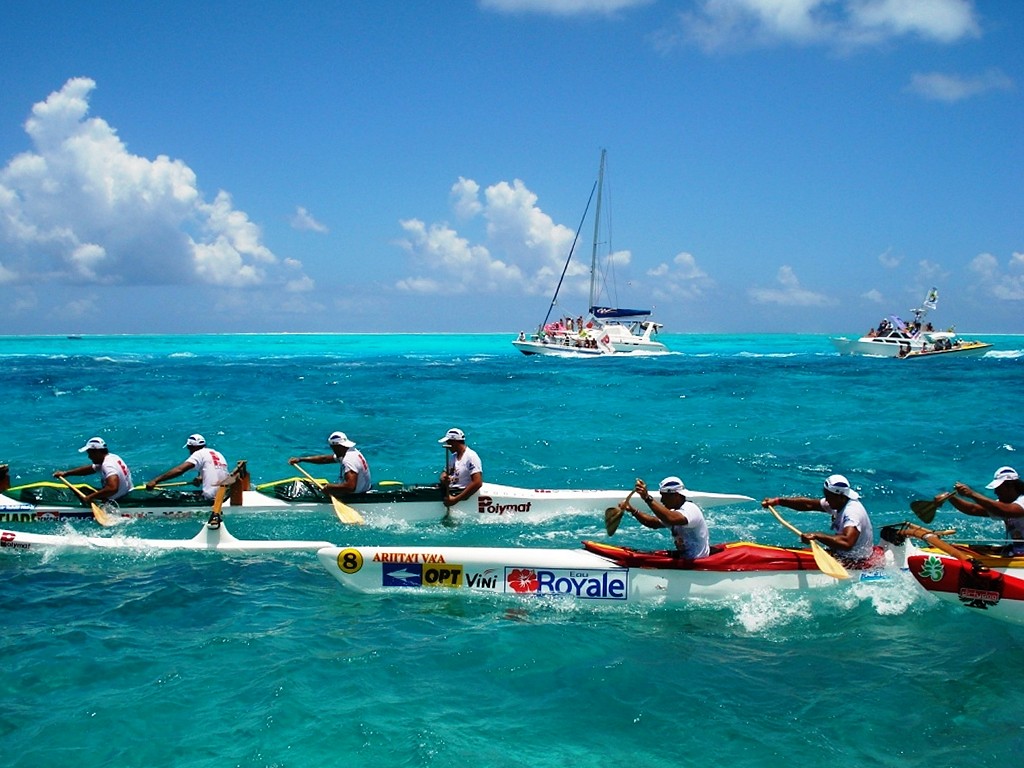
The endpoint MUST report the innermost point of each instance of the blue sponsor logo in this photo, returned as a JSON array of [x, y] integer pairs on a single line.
[[402, 574], [580, 584]]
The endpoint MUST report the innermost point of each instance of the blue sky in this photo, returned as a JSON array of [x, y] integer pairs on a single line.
[[774, 165]]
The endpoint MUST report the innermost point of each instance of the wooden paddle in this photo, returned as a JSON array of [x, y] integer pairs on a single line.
[[98, 513], [218, 502], [613, 516], [828, 564], [344, 512], [934, 539], [925, 509], [228, 483]]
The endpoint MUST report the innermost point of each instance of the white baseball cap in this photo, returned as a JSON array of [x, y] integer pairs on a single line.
[[838, 484], [340, 438], [94, 444], [451, 435], [195, 441], [671, 484], [1002, 475]]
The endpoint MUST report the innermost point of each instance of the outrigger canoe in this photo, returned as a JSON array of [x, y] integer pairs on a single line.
[[597, 573], [987, 581], [208, 539], [393, 501]]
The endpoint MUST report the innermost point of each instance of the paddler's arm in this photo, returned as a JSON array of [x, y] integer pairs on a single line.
[[349, 486], [476, 481], [85, 469], [843, 541], [982, 505], [109, 488], [323, 458], [662, 516], [178, 471]]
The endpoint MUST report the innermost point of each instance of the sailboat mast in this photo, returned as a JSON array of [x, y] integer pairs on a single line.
[[597, 232]]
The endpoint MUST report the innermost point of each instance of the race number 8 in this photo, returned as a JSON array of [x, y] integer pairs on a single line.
[[350, 560]]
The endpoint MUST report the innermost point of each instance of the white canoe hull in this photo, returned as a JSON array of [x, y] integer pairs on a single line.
[[208, 539], [494, 503], [560, 573]]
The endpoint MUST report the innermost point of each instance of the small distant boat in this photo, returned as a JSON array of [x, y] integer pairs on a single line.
[[895, 338], [606, 331], [75, 336]]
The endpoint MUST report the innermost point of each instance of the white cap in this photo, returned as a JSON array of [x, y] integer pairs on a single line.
[[340, 438], [839, 485], [671, 484], [1002, 475], [195, 441], [451, 435], [94, 444]]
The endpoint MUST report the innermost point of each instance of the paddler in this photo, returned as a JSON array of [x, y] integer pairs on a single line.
[[354, 476], [1008, 505], [463, 474], [675, 512], [852, 537], [210, 464], [116, 477]]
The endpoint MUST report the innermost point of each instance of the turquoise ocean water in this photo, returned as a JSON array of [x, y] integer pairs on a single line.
[[135, 658]]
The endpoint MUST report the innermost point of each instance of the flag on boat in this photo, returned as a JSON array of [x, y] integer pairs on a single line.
[[932, 300]]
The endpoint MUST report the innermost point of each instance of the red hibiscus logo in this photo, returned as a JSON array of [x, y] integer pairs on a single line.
[[522, 580]]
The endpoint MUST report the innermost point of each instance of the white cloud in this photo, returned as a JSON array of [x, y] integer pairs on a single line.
[[79, 207], [874, 296], [1006, 285], [789, 292], [952, 88], [727, 24], [465, 197], [889, 260], [532, 247], [562, 7], [930, 273], [682, 279], [303, 220]]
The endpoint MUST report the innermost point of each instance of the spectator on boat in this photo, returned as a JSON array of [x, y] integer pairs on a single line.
[[209, 463], [464, 473], [1008, 505], [682, 517], [115, 475], [355, 471], [852, 537]]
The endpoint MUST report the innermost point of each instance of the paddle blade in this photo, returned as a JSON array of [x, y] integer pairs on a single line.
[[100, 515], [828, 564], [612, 518], [345, 513], [925, 510]]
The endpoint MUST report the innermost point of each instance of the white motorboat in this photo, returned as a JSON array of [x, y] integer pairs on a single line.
[[606, 331], [895, 338]]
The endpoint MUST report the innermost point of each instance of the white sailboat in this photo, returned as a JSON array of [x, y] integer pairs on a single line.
[[606, 331]]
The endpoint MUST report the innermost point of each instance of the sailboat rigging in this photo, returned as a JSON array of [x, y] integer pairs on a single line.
[[607, 331]]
